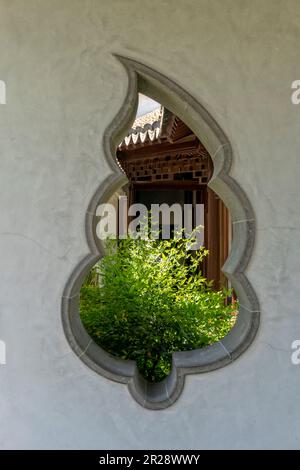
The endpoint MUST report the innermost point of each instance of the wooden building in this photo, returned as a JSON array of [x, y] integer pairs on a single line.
[[164, 161]]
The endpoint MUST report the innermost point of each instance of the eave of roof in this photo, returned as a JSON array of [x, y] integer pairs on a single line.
[[160, 125], [146, 128]]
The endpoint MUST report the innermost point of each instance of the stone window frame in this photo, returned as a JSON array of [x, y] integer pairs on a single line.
[[161, 395]]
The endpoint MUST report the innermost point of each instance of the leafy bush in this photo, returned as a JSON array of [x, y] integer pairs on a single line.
[[152, 300]]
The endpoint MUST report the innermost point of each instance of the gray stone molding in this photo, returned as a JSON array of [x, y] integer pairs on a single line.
[[157, 396]]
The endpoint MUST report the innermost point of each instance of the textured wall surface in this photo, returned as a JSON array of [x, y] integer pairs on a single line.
[[64, 87]]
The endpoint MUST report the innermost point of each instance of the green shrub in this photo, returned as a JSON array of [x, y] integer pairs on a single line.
[[153, 300]]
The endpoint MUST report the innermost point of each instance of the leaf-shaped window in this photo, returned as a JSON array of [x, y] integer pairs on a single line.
[[201, 172]]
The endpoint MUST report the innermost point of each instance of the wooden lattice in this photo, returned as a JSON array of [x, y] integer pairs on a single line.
[[193, 168]]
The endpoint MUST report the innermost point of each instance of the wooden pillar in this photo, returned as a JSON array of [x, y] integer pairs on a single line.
[[224, 238], [212, 242]]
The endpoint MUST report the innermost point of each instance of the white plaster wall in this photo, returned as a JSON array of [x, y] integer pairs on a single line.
[[63, 88]]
